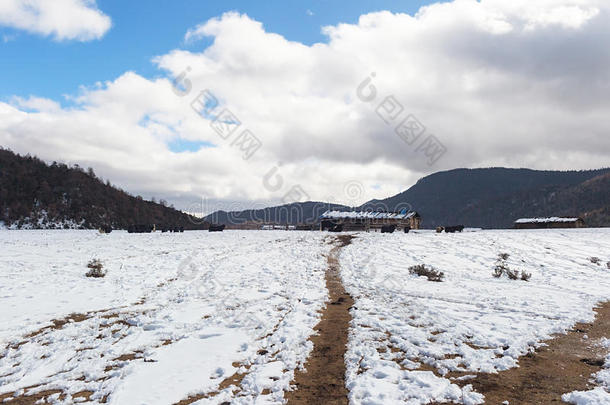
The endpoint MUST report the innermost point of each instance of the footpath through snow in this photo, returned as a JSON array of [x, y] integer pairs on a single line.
[[206, 318]]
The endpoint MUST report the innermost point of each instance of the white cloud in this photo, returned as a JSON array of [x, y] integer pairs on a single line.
[[498, 83], [62, 19]]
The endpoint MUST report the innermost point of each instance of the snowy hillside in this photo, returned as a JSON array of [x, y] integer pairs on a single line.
[[207, 318]]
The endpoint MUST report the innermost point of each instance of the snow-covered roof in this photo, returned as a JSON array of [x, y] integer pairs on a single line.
[[544, 220], [367, 215]]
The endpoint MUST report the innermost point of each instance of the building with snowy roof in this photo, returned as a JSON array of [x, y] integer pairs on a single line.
[[550, 222], [369, 220]]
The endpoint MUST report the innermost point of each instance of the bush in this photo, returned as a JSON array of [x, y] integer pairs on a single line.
[[96, 269], [512, 274], [430, 272], [595, 260], [502, 268]]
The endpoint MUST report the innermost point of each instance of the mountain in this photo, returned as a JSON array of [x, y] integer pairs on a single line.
[[495, 197], [290, 214], [36, 195]]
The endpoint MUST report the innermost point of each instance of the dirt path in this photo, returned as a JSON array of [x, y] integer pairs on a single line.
[[565, 365], [323, 382]]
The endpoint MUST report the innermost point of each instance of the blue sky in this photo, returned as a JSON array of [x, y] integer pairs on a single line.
[[37, 65]]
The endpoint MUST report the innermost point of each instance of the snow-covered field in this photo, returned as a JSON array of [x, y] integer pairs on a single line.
[[175, 316], [404, 325], [217, 317]]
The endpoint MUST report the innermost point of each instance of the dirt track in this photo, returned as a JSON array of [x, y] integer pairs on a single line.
[[565, 365], [323, 382]]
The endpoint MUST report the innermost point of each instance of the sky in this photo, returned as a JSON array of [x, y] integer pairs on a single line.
[[234, 104]]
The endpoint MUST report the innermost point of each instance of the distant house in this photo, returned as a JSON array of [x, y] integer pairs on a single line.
[[369, 220], [551, 222]]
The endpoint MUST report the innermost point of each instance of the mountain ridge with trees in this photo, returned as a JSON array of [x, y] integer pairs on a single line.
[[34, 194]]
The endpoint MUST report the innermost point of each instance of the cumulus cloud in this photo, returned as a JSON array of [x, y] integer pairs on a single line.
[[61, 19], [520, 83]]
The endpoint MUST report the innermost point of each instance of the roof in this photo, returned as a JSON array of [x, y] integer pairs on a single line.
[[545, 220], [368, 215]]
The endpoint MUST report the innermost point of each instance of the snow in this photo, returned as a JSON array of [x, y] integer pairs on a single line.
[[179, 314], [544, 220], [367, 214], [408, 333], [175, 316]]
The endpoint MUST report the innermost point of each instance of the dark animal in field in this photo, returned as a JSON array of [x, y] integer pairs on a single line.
[[407, 229], [388, 228], [105, 229], [140, 228], [452, 229], [439, 229], [216, 228]]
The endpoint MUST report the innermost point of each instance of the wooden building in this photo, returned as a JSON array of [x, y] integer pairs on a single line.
[[551, 222], [369, 220]]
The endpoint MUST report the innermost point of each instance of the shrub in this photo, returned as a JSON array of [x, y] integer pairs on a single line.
[[608, 265], [498, 271], [512, 274], [595, 260], [96, 269], [430, 272], [502, 268]]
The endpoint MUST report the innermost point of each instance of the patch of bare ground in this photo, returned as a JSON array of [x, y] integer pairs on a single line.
[[323, 381], [564, 365], [28, 399]]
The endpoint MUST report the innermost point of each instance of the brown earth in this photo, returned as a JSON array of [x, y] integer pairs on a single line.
[[28, 399], [323, 381], [564, 365]]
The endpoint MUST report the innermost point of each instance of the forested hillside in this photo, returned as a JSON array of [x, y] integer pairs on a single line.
[[36, 195], [495, 197]]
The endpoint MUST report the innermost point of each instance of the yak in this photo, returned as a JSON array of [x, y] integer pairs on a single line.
[[388, 228], [216, 228], [452, 229]]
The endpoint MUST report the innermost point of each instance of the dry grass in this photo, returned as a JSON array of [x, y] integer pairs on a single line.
[[96, 269], [431, 273], [502, 268]]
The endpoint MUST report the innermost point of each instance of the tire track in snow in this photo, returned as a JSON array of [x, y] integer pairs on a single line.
[[323, 380]]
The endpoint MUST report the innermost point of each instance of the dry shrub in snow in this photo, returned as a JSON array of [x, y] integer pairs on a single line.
[[502, 268], [96, 268], [595, 260], [430, 272], [503, 256]]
